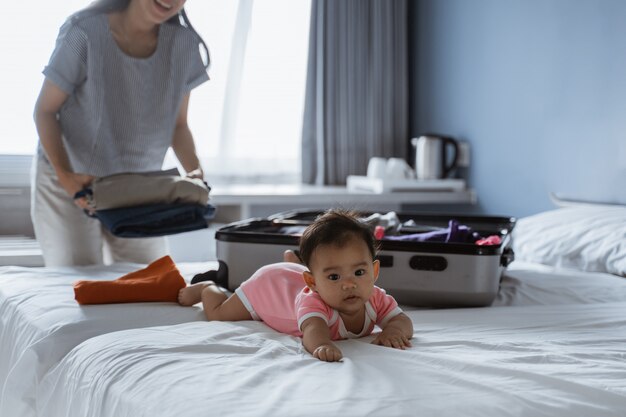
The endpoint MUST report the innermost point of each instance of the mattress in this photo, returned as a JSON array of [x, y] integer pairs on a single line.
[[555, 360], [40, 322], [551, 344]]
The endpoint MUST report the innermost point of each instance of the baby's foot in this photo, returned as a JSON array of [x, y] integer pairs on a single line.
[[290, 256], [192, 294]]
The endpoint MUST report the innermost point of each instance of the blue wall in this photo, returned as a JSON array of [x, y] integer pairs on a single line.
[[538, 88]]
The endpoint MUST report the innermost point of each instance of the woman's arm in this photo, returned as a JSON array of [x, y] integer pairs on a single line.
[[183, 144], [49, 102], [316, 340], [396, 333]]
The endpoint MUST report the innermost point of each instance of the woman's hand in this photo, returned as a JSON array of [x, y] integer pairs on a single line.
[[328, 353], [196, 173], [73, 183], [49, 103], [183, 145]]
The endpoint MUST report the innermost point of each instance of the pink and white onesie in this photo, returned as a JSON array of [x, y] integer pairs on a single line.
[[277, 295]]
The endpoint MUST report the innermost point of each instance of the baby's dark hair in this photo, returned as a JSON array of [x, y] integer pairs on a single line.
[[336, 227]]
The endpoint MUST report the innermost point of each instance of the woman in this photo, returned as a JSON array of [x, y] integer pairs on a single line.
[[114, 99]]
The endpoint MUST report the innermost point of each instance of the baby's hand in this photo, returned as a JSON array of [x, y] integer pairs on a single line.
[[327, 353], [392, 337]]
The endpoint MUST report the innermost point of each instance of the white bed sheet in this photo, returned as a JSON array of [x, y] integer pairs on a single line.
[[562, 360], [40, 322]]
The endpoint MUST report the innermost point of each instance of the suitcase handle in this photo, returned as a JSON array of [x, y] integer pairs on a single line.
[[507, 257], [428, 263]]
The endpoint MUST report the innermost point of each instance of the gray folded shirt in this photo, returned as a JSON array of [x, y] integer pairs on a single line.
[[129, 190]]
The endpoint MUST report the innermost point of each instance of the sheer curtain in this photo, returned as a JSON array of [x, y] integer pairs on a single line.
[[357, 95], [247, 120]]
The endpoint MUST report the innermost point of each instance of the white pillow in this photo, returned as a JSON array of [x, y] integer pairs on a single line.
[[588, 238]]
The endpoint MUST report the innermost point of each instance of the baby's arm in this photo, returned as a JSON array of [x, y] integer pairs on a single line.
[[316, 340], [396, 333]]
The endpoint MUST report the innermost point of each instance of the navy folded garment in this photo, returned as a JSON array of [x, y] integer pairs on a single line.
[[155, 219]]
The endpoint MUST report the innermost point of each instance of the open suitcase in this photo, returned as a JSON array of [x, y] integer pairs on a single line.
[[426, 274]]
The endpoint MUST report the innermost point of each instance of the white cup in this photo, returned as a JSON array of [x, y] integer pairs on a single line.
[[377, 168], [398, 169]]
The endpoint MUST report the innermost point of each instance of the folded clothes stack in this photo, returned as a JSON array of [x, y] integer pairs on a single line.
[[147, 205], [156, 219]]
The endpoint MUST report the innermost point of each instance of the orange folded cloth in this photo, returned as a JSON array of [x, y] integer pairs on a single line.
[[159, 281]]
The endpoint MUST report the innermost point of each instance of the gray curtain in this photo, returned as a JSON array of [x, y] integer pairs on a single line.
[[357, 92]]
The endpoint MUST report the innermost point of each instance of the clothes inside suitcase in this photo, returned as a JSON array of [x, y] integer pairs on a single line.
[[417, 273]]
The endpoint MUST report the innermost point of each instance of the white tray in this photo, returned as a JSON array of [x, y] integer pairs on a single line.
[[379, 185]]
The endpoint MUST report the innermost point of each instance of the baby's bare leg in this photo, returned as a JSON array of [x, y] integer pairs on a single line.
[[217, 305], [192, 294]]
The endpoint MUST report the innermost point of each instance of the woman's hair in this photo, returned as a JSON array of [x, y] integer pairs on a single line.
[[108, 6], [335, 227]]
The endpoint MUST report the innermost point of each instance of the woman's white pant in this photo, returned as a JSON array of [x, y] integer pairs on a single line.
[[68, 236]]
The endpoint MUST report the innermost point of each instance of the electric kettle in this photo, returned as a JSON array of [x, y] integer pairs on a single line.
[[431, 156]]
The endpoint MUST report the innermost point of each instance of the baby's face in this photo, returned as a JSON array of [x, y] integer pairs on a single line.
[[344, 276]]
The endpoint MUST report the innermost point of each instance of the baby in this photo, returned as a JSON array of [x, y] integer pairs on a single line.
[[331, 297]]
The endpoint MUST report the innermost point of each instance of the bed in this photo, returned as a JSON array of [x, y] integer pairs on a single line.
[[552, 344], [40, 322]]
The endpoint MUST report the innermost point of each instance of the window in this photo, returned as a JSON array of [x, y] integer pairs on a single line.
[[27, 40], [255, 99], [246, 120]]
